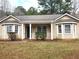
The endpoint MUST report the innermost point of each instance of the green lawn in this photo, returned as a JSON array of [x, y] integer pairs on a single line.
[[39, 50]]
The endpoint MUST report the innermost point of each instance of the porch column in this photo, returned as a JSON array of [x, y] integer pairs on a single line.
[[51, 31], [4, 32], [73, 30], [62, 27], [30, 33], [22, 31]]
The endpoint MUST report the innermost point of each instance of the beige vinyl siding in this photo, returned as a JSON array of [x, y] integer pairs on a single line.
[[34, 29], [65, 35], [56, 35], [59, 36], [1, 32], [23, 31], [48, 31], [66, 17], [19, 34], [68, 36], [55, 31], [77, 30], [4, 34]]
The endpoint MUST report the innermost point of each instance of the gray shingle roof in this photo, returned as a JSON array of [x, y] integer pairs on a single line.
[[38, 17], [3, 17], [77, 16]]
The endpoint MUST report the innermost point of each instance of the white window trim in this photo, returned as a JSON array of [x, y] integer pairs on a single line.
[[58, 29], [13, 27], [8, 28], [62, 29], [70, 28]]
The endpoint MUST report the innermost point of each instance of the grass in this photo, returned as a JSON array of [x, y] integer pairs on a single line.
[[39, 49]]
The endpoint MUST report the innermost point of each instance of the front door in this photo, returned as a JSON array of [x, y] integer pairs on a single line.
[[27, 32]]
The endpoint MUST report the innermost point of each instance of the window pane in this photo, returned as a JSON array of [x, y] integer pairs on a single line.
[[59, 29], [16, 28], [41, 28], [44, 29], [67, 28], [9, 28]]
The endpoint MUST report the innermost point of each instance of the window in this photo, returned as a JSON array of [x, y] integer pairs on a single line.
[[9, 28], [59, 29], [41, 29], [67, 28], [16, 28]]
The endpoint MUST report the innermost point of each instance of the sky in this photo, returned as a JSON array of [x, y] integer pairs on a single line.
[[25, 3], [31, 3]]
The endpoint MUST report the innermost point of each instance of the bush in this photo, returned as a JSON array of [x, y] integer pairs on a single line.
[[40, 35], [12, 36]]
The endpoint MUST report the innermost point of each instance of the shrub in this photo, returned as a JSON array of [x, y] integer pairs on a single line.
[[40, 35], [12, 36]]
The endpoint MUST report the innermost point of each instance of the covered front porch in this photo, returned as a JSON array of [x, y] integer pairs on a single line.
[[29, 30]]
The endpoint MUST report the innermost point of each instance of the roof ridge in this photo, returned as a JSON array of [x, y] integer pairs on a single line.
[[43, 15]]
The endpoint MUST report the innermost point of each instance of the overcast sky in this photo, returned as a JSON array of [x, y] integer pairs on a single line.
[[30, 3], [25, 3]]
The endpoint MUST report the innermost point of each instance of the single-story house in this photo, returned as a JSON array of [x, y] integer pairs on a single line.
[[56, 26]]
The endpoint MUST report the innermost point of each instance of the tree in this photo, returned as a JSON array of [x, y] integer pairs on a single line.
[[2, 13], [4, 8], [43, 12], [55, 6], [32, 11], [48, 5], [66, 8], [68, 0], [19, 11], [8, 13], [5, 5]]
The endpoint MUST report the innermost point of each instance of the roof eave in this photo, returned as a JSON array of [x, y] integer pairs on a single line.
[[10, 16], [67, 15]]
